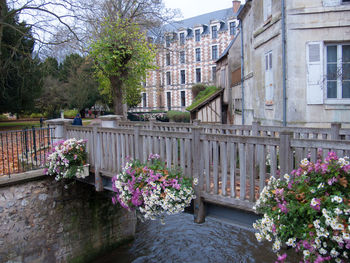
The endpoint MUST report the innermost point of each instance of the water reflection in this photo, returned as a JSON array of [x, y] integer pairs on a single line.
[[181, 240]]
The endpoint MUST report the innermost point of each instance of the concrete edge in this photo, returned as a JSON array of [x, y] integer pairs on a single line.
[[22, 177]]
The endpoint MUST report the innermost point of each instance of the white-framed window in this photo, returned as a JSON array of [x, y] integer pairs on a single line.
[[198, 54], [233, 28], [214, 32], [214, 52], [337, 69], [183, 76], [197, 34], [168, 100], [198, 75], [267, 9], [182, 57], [168, 78], [144, 99], [183, 98], [182, 38], [167, 58], [268, 78], [213, 73]]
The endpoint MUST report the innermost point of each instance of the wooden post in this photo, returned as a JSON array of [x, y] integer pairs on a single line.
[[335, 128], [97, 154], [255, 128], [199, 209], [285, 152], [137, 142]]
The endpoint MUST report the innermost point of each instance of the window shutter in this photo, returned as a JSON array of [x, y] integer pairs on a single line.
[[314, 59]]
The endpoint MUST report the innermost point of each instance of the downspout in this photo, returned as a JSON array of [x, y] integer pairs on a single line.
[[284, 66], [242, 69]]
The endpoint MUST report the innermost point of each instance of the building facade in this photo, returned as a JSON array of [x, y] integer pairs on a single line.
[[307, 80], [187, 56]]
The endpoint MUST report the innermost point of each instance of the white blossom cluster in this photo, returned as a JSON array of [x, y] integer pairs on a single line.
[[58, 163], [266, 192]]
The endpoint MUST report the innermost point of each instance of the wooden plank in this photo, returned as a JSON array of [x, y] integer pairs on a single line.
[[216, 167], [242, 171], [223, 158], [168, 152], [188, 156], [162, 148], [114, 152], [251, 164], [262, 168], [313, 155], [206, 151], [122, 150], [233, 160], [273, 161], [228, 201], [175, 152], [156, 144], [182, 156]]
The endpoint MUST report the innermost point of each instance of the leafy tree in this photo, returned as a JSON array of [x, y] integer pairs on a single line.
[[19, 72], [69, 66], [123, 55]]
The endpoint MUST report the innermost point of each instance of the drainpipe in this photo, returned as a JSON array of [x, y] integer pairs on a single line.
[[284, 66], [242, 68]]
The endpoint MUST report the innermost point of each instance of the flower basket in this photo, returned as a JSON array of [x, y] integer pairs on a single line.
[[308, 211], [151, 189], [68, 160]]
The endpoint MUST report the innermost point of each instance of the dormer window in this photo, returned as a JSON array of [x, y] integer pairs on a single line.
[[167, 41], [197, 34], [214, 32], [182, 38], [233, 28]]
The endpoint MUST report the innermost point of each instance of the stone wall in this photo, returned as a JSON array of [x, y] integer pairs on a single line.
[[41, 221]]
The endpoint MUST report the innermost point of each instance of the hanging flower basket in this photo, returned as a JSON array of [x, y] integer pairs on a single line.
[[68, 160], [309, 211], [151, 189]]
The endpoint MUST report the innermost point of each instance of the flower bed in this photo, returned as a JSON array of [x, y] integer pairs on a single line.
[[68, 160], [309, 211], [151, 189]]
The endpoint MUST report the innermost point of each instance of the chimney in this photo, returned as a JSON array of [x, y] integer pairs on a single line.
[[236, 5]]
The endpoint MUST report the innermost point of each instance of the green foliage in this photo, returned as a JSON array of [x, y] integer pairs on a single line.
[[19, 69], [123, 56], [3, 117], [198, 88], [36, 115], [202, 96], [179, 116], [70, 113]]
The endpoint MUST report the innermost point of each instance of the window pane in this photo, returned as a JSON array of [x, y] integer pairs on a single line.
[[270, 60], [331, 71], [332, 54], [346, 90], [331, 89], [346, 53], [346, 71]]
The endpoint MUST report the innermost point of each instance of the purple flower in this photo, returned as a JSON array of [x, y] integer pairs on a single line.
[[282, 258], [316, 204], [332, 180]]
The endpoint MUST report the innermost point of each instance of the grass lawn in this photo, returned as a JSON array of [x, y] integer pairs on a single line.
[[18, 125]]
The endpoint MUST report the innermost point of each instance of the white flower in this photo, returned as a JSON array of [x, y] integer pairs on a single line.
[[258, 237], [321, 185], [195, 181], [337, 199], [291, 242], [306, 253], [334, 253], [287, 177], [323, 251], [304, 161]]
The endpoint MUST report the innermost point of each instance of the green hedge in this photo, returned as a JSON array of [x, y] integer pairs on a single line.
[[3, 117], [70, 113], [178, 116]]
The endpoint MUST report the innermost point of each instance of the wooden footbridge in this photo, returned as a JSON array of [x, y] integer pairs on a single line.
[[232, 163]]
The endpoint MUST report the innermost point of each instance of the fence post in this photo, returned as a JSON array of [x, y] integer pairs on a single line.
[[255, 128], [137, 142], [97, 154], [285, 152], [335, 128], [199, 209]]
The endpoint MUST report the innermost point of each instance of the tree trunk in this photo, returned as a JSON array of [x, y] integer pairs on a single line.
[[117, 93]]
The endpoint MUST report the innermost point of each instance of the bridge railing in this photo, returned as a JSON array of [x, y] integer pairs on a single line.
[[232, 168]]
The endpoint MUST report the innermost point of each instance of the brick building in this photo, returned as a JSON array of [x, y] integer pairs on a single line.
[[186, 56]]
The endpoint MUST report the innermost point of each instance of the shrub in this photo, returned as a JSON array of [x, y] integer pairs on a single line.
[[309, 211], [36, 115], [152, 189], [179, 116], [3, 117], [196, 89], [70, 113]]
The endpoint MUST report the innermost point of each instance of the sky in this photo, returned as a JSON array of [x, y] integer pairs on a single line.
[[191, 8]]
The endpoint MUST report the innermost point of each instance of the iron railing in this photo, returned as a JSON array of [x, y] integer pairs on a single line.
[[24, 150]]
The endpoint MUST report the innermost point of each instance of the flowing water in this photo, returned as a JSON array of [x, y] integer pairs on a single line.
[[181, 240]]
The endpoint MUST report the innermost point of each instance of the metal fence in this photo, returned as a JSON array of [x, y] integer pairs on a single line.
[[24, 150]]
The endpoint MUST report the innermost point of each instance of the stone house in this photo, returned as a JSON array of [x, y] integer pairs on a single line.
[[186, 55], [296, 62]]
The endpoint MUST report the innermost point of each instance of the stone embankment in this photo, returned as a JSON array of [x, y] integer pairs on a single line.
[[41, 221]]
